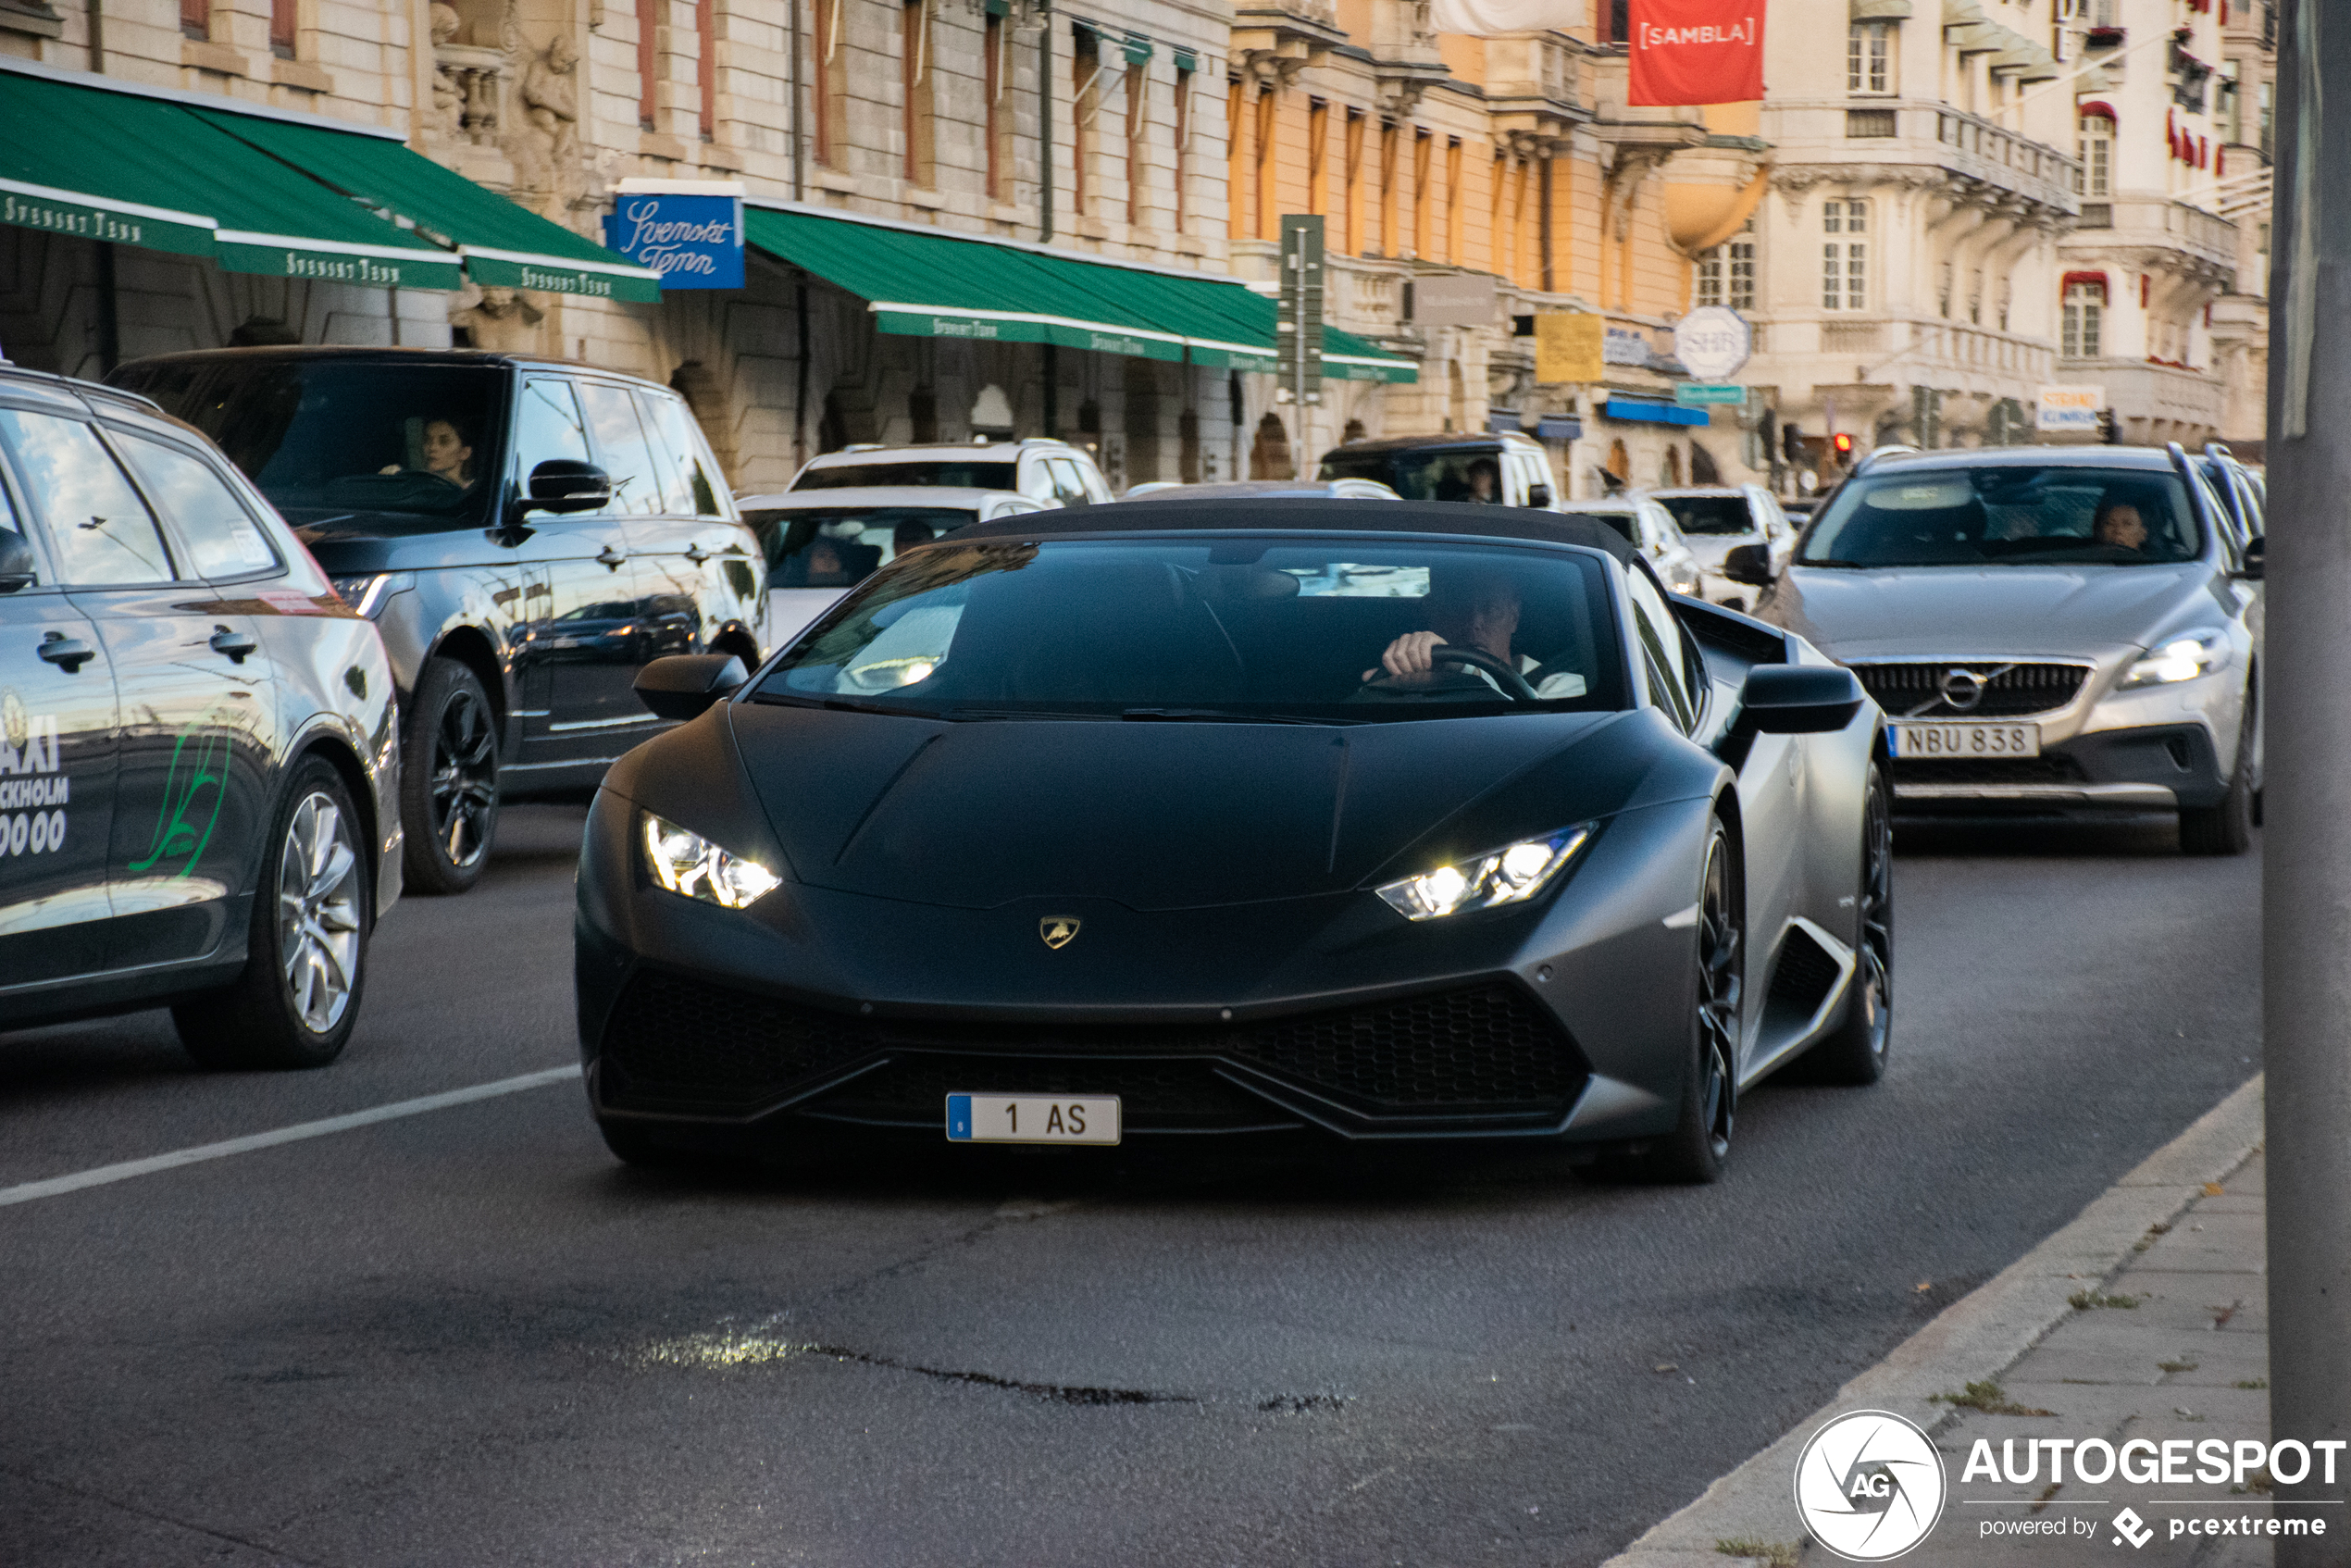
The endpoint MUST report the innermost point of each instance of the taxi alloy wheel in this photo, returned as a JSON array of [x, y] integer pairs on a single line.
[[320, 890]]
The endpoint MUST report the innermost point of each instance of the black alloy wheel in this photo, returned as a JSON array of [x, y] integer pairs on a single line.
[[297, 1001], [2226, 829], [1700, 1146], [448, 779], [1856, 1053]]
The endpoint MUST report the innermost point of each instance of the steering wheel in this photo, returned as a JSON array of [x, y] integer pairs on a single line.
[[1514, 685]]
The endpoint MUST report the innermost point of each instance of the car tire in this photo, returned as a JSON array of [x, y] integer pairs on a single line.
[[1856, 1053], [448, 779], [306, 954], [2226, 829], [1698, 1148]]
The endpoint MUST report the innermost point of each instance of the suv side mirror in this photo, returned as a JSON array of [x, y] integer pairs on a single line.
[[1799, 699], [1749, 564], [2255, 555], [685, 686], [1539, 496], [566, 484], [19, 566]]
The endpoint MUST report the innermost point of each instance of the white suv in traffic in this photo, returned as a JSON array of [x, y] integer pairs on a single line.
[[1051, 473]]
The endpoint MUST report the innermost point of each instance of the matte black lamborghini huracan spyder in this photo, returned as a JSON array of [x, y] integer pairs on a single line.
[[1349, 821]]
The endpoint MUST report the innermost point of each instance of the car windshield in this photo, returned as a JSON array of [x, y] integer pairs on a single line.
[[2005, 515], [1621, 522], [1710, 514], [1273, 627], [842, 546], [1471, 474], [321, 434], [963, 473]]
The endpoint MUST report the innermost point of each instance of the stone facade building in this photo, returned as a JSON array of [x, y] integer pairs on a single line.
[[2240, 329]]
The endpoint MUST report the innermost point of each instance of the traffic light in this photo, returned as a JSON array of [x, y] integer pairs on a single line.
[[1792, 442], [1843, 444]]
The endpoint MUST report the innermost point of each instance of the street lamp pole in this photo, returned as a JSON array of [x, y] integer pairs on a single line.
[[2306, 856]]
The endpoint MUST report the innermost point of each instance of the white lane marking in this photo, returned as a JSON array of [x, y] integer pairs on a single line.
[[100, 1175]]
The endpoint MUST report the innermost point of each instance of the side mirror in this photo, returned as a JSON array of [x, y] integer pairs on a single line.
[[685, 686], [1799, 699], [566, 484], [2254, 559], [1749, 564], [18, 568], [1539, 497]]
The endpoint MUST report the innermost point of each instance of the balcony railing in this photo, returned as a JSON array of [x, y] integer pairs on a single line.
[[1996, 145]]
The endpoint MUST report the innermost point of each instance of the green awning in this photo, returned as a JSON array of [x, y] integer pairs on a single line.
[[145, 171], [503, 246], [936, 283]]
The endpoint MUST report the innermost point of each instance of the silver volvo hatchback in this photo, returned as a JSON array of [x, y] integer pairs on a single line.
[[2049, 629]]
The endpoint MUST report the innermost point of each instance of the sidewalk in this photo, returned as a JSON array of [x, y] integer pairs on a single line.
[[2180, 1240]]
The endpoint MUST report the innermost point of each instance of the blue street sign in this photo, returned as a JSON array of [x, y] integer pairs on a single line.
[[694, 242]]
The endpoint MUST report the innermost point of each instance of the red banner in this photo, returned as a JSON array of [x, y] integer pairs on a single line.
[[1697, 51]]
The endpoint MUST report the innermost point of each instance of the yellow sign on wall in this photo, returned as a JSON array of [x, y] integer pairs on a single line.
[[1568, 346]]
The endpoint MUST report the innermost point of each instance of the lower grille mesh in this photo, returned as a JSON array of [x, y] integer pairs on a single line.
[[674, 1041], [2057, 769]]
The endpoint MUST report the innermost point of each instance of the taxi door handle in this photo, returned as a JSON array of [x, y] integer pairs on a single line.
[[71, 651], [611, 557], [236, 644], [696, 553]]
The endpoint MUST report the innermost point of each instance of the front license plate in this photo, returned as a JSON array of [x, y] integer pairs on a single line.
[[1965, 740], [1014, 1118]]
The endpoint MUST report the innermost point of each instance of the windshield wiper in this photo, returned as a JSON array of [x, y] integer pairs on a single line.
[[839, 704], [1841, 566], [1220, 716]]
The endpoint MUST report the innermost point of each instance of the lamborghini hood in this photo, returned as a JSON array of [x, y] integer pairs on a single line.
[[1161, 815]]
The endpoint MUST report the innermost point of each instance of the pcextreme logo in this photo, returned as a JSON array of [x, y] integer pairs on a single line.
[[1869, 1486]]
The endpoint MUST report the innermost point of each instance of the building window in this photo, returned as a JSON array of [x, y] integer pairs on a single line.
[[1184, 90], [1453, 200], [1845, 259], [994, 120], [1318, 141], [1354, 189], [705, 64], [648, 64], [1615, 22], [913, 48], [2084, 328], [195, 19], [1086, 79], [1391, 242], [1727, 273], [282, 28], [1869, 58], [1137, 100], [1942, 276], [832, 96], [2096, 144], [1423, 155]]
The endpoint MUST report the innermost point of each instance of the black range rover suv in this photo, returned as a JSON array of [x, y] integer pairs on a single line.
[[525, 533]]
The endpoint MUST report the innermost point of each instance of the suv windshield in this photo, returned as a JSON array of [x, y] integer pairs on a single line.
[[321, 434], [2005, 515], [1710, 514], [1451, 475], [840, 546], [1275, 629], [957, 473]]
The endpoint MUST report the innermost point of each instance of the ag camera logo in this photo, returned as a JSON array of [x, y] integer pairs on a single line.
[[1869, 1486]]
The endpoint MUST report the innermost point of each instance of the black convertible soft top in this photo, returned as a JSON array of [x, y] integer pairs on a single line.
[[1308, 515]]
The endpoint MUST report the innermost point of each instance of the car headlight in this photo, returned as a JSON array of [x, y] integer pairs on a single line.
[[367, 591], [1510, 874], [686, 863], [2179, 658]]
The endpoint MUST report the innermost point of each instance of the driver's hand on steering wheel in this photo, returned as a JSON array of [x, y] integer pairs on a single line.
[[1407, 655]]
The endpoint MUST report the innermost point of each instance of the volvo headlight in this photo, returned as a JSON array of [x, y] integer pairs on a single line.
[[686, 863], [1510, 874], [2179, 658]]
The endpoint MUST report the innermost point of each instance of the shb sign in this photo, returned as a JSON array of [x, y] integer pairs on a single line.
[[690, 231], [1712, 343]]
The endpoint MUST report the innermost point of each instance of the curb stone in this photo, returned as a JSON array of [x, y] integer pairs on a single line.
[[1976, 1337]]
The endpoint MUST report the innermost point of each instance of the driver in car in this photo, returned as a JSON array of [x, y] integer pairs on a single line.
[[2119, 524], [449, 457], [1479, 612]]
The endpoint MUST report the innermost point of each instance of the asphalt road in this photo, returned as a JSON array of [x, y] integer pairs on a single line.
[[472, 1337]]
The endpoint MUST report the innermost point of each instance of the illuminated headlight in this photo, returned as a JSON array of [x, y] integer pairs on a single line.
[[2182, 658], [1510, 874], [688, 864], [367, 591]]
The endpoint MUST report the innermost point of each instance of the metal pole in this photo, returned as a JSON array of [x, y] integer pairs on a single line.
[[2306, 964]]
